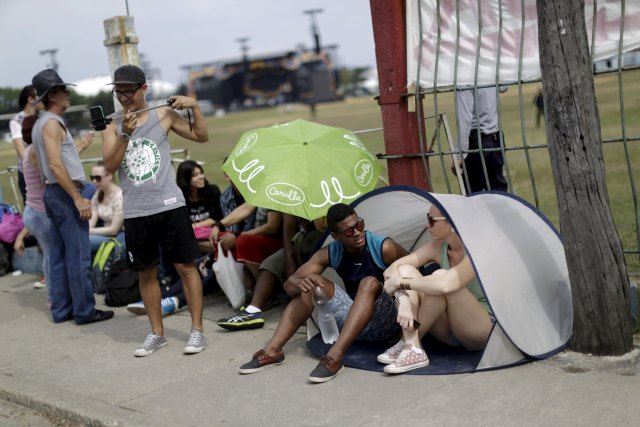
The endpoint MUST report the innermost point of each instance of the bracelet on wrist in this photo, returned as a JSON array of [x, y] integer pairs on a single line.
[[219, 225], [398, 293]]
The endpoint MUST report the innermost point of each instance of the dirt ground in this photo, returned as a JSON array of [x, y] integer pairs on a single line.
[[13, 415], [627, 365]]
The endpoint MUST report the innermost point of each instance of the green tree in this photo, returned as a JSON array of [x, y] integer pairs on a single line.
[[351, 80], [9, 100]]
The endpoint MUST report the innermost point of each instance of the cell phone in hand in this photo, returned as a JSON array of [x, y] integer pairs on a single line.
[[98, 120]]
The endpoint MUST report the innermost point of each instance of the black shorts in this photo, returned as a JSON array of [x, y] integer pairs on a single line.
[[170, 230]]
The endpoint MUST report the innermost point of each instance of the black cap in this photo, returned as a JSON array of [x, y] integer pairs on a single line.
[[44, 81], [129, 74]]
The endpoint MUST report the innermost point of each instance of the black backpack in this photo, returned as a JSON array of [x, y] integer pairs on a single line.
[[122, 288], [102, 268]]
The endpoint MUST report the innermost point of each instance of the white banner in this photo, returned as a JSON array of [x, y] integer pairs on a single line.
[[478, 40]]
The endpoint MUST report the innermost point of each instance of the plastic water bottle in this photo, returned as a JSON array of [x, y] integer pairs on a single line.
[[326, 319]]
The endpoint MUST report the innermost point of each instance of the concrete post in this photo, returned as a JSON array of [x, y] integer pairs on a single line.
[[122, 44]]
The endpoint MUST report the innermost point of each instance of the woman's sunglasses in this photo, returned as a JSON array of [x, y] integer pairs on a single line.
[[432, 219], [350, 231], [96, 178]]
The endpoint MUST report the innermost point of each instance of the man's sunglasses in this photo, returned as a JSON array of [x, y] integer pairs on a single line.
[[432, 219], [350, 231]]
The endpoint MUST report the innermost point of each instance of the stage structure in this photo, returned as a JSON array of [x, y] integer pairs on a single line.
[[302, 76]]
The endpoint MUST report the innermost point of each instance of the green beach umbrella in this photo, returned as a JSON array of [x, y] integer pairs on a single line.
[[301, 168]]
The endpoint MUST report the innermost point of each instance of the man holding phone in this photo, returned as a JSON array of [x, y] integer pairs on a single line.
[[59, 162], [155, 215]]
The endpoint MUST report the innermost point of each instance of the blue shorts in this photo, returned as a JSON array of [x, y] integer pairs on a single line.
[[383, 326]]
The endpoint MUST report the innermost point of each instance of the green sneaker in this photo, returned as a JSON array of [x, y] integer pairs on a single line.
[[242, 320]]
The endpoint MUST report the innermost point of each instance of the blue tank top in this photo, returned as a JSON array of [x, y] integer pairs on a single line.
[[368, 263]]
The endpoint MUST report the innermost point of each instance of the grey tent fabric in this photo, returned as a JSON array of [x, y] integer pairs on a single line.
[[517, 254]]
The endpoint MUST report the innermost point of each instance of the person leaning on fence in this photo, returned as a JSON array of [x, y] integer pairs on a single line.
[[479, 122], [449, 304], [69, 212], [154, 207], [106, 208], [363, 311], [27, 108]]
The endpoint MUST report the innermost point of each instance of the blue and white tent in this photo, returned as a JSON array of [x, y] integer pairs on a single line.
[[518, 256]]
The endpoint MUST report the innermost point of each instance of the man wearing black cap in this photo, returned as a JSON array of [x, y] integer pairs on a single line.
[[154, 206], [70, 251]]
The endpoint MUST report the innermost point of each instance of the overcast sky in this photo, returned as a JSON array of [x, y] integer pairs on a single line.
[[172, 33]]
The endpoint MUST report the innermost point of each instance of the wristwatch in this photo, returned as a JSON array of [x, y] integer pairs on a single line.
[[125, 136]]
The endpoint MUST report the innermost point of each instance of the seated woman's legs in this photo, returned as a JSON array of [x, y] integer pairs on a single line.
[[458, 313], [467, 319]]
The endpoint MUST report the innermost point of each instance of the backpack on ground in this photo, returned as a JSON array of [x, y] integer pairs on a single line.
[[109, 253], [123, 286]]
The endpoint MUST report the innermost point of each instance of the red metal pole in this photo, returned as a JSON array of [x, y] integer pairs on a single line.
[[401, 132]]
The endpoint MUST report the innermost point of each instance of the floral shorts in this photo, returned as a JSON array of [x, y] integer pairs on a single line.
[[383, 326]]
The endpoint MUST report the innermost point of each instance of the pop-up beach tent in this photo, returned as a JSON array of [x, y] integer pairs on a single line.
[[519, 260]]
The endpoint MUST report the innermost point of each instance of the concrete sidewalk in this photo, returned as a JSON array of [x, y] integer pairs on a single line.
[[88, 374]]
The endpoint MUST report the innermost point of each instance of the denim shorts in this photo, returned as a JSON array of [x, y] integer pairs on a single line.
[[383, 326]]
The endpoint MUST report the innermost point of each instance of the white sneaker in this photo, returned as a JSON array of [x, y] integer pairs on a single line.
[[408, 360], [150, 344], [197, 342], [391, 354], [137, 308]]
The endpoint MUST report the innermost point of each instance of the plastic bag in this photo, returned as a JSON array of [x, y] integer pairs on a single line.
[[230, 277]]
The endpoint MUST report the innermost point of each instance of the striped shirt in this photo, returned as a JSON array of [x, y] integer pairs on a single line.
[[34, 184]]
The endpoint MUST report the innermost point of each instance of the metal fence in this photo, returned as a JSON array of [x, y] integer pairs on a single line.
[[523, 144], [9, 177]]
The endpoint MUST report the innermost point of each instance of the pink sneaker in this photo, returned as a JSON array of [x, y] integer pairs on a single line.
[[407, 360], [391, 354]]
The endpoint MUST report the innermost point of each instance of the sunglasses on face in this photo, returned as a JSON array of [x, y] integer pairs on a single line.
[[432, 219], [350, 231], [126, 93], [96, 178]]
